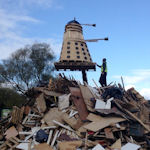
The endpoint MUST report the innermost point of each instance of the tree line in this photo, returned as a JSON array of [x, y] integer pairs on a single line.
[[27, 67]]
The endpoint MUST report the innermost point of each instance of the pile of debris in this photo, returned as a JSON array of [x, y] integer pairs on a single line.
[[67, 115]]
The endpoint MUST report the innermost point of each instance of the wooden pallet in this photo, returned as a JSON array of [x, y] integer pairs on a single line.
[[17, 115], [10, 144], [75, 65]]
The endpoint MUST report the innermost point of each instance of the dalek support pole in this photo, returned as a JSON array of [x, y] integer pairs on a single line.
[[84, 76]]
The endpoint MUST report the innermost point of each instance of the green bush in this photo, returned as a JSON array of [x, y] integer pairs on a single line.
[[10, 98]]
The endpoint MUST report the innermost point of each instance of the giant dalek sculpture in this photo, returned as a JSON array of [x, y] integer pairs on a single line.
[[75, 54]]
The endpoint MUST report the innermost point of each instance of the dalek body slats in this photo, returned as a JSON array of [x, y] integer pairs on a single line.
[[74, 49]]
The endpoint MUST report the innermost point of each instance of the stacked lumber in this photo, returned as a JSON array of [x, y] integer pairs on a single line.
[[67, 115]]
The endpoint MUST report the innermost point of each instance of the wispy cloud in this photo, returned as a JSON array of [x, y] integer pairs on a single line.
[[11, 31], [25, 4], [13, 17], [146, 93], [9, 21], [15, 42], [136, 76], [47, 3], [137, 79]]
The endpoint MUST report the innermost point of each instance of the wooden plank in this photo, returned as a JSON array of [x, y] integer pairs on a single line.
[[30, 144], [93, 117], [20, 129], [86, 139], [70, 145], [70, 121], [109, 133], [17, 115], [137, 119], [116, 145], [47, 92], [62, 125], [75, 65], [79, 102], [42, 146], [53, 114], [12, 142], [41, 104], [49, 137], [52, 93], [27, 110], [63, 101], [78, 124], [55, 137]]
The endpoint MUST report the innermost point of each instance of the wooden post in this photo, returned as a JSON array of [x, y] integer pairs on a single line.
[[84, 76]]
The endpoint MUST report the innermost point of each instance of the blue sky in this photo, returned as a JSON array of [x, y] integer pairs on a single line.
[[125, 22]]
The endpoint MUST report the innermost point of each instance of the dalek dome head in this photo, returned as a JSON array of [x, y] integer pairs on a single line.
[[74, 47], [73, 21]]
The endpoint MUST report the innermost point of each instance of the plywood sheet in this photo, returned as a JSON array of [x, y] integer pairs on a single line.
[[63, 101], [79, 103], [70, 121], [101, 122], [43, 146], [71, 145], [17, 115], [11, 132], [117, 145], [53, 114], [41, 104], [87, 95], [93, 117]]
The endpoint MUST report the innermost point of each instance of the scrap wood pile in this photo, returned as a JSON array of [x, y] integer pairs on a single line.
[[67, 115]]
